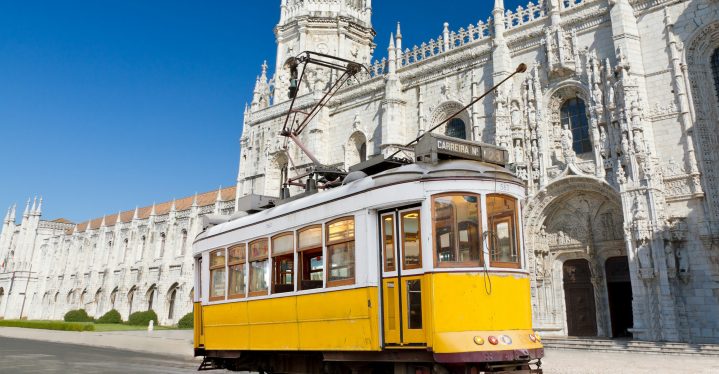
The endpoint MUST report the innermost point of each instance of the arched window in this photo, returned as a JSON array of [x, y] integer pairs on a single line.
[[456, 129], [163, 239], [183, 243], [715, 70], [574, 115], [113, 298], [171, 302], [143, 239], [151, 296], [130, 299], [125, 245]]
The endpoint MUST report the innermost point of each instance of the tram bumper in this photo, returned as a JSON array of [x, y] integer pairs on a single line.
[[509, 355]]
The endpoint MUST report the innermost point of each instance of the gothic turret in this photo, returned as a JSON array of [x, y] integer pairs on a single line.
[[341, 28]]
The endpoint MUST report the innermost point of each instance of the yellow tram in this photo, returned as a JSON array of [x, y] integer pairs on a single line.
[[418, 268]]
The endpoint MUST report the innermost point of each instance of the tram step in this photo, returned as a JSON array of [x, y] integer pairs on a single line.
[[619, 345]]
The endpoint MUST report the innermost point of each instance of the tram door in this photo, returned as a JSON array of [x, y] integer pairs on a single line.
[[402, 277]]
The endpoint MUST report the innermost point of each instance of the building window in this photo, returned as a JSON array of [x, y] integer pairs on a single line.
[[309, 248], [715, 70], [456, 129], [141, 255], [341, 252], [130, 299], [283, 263], [236, 259], [217, 275], [113, 298], [151, 296], [259, 267], [183, 241], [456, 230], [503, 240], [573, 114], [411, 243], [125, 246], [163, 239], [171, 302]]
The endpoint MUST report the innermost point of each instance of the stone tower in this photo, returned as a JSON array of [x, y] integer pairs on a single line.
[[341, 28]]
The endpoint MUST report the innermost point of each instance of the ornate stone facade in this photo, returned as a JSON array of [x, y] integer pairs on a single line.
[[129, 261], [613, 128]]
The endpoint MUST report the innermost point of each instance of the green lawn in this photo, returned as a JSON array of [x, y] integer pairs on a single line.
[[75, 326]]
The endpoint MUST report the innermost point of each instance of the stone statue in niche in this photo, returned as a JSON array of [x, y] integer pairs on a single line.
[[597, 95], [518, 152], [603, 142], [532, 112], [516, 116], [621, 175], [682, 263], [567, 141], [638, 142], [638, 210], [644, 253], [636, 114], [535, 152], [625, 145]]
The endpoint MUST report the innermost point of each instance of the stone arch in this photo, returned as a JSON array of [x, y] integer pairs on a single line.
[[276, 173], [446, 109], [113, 297], [96, 303], [172, 302], [355, 149], [699, 49], [150, 296], [131, 299], [555, 98], [575, 217]]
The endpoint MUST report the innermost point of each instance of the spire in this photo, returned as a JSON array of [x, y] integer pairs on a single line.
[[103, 223], [219, 194], [7, 215], [34, 205], [399, 31], [12, 213], [194, 200], [392, 55], [263, 77], [26, 213], [153, 212], [38, 211], [174, 206], [118, 220], [498, 4], [399, 46], [136, 215]]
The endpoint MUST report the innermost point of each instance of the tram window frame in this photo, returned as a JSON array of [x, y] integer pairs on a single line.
[[403, 237], [241, 263], [455, 235], [217, 268], [337, 245], [389, 253], [305, 254], [258, 258], [278, 259], [510, 217]]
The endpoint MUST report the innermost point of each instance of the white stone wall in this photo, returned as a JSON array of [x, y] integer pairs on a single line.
[[649, 182]]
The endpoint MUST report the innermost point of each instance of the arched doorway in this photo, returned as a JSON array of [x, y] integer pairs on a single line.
[[619, 292], [171, 299], [151, 296], [579, 298]]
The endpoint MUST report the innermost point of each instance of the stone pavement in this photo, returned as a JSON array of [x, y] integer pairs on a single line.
[[161, 342], [559, 361]]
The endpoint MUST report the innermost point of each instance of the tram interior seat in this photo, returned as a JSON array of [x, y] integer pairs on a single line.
[[310, 284]]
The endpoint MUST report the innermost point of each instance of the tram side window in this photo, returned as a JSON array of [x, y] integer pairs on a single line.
[[236, 259], [411, 243], [283, 263], [309, 246], [217, 275], [388, 242], [456, 220], [341, 252], [259, 267], [503, 240]]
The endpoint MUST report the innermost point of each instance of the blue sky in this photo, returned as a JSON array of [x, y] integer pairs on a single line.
[[105, 105]]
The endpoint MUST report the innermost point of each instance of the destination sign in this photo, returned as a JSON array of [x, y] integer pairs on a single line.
[[433, 147]]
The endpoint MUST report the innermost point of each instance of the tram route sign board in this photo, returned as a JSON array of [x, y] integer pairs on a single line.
[[433, 147]]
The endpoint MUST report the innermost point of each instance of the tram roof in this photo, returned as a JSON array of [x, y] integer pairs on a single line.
[[403, 174]]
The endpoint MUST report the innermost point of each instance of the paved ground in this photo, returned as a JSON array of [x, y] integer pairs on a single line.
[[581, 362], [28, 356]]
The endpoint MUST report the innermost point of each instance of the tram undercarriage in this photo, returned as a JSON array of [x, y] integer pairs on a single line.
[[385, 362]]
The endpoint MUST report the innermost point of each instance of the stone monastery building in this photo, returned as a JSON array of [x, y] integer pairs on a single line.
[[614, 128]]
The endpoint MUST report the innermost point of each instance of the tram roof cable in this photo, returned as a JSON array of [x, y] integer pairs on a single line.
[[521, 68]]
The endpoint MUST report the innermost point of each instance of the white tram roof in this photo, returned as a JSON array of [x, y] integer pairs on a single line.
[[403, 174]]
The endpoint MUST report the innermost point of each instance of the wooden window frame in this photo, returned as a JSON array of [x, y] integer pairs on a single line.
[[419, 237], [457, 264], [241, 262], [514, 227], [276, 273], [394, 242], [328, 244], [302, 253], [252, 259], [217, 267]]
